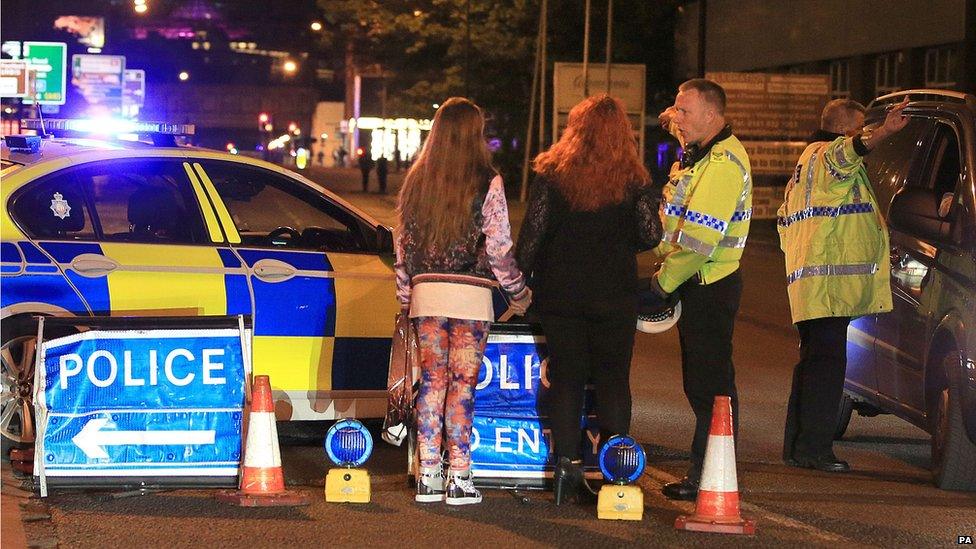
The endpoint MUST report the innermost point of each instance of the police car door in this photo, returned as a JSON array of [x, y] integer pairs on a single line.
[[323, 299], [152, 253]]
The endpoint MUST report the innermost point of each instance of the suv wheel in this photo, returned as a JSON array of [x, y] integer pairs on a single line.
[[953, 454], [843, 415], [17, 392]]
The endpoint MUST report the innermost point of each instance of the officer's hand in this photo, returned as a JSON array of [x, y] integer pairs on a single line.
[[666, 116], [520, 306], [895, 120], [657, 289]]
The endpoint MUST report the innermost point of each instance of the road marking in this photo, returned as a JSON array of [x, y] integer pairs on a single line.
[[783, 520]]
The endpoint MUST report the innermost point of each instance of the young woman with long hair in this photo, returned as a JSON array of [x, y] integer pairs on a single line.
[[591, 210], [454, 241]]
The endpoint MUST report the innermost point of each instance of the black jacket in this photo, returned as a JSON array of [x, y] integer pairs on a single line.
[[584, 261]]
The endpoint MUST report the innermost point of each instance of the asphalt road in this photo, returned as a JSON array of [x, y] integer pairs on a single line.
[[887, 501]]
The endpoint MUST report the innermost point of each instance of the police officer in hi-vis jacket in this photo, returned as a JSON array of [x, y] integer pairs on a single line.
[[836, 247], [706, 221]]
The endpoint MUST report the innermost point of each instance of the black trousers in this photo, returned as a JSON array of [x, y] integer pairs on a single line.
[[705, 330], [365, 179], [818, 383], [587, 347]]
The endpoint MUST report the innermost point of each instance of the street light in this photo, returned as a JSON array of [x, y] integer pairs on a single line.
[[316, 26], [184, 76], [140, 8], [290, 66], [263, 118]]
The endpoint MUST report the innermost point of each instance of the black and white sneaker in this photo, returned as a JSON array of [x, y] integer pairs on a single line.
[[461, 490], [430, 485]]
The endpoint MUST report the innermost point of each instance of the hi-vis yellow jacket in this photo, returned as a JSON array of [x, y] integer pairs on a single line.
[[706, 215], [833, 236]]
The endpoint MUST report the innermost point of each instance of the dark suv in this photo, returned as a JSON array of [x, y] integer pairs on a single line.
[[919, 361]]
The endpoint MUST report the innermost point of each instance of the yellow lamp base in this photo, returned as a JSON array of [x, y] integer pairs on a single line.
[[620, 502], [345, 485]]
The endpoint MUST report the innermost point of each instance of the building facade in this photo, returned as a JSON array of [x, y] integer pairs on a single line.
[[868, 47]]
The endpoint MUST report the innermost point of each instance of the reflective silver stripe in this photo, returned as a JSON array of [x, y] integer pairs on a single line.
[[736, 242], [746, 181], [692, 243], [682, 188], [813, 160], [834, 173], [841, 157], [831, 270], [742, 167]]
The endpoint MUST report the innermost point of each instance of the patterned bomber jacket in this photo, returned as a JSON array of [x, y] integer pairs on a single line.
[[484, 255]]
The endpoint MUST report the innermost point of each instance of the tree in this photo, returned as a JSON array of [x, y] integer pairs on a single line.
[[430, 50]]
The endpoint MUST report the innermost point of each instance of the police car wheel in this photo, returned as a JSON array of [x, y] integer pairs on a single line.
[[843, 415], [17, 401]]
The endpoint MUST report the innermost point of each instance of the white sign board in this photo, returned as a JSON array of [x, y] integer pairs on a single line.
[[627, 82], [13, 78]]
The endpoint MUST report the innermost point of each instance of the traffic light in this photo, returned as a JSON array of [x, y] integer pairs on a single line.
[[264, 120]]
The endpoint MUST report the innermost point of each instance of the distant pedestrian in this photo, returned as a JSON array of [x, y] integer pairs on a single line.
[[453, 243], [365, 166], [836, 247], [382, 168], [321, 157], [592, 209], [397, 160]]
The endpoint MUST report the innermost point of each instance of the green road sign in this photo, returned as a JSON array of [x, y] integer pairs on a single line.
[[48, 61]]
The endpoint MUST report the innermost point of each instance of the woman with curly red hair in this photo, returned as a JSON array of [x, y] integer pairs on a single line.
[[591, 210]]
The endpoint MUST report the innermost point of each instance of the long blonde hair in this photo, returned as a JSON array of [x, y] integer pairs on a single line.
[[595, 161], [437, 193]]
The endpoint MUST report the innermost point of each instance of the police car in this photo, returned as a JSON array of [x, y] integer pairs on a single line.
[[111, 227]]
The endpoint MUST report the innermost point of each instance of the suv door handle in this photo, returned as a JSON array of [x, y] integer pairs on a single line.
[[273, 270], [93, 265]]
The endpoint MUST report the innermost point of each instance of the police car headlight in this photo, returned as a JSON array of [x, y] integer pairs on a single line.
[[348, 443], [622, 460]]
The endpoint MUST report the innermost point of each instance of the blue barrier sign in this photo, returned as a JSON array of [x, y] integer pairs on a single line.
[[156, 403], [510, 433]]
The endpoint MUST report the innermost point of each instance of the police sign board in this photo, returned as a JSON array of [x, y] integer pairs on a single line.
[[146, 403], [510, 439]]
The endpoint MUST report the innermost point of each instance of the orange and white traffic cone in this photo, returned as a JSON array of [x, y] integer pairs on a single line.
[[262, 479], [717, 508]]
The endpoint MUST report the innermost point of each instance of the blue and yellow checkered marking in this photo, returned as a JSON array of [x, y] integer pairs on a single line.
[[825, 211]]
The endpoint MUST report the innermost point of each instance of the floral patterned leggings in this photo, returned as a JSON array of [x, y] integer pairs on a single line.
[[450, 356]]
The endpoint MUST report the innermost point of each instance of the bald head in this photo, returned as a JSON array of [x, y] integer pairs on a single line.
[[842, 116]]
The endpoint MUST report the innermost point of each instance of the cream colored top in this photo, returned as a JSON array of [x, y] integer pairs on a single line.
[[452, 300]]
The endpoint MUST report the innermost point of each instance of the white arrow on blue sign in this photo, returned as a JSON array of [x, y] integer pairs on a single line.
[[93, 437]]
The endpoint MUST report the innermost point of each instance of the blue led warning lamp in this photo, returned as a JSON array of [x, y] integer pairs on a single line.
[[622, 460], [106, 126], [348, 443]]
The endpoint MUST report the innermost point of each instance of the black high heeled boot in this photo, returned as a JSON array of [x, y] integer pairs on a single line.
[[567, 480], [570, 483]]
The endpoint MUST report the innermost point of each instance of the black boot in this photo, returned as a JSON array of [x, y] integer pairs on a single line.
[[569, 483]]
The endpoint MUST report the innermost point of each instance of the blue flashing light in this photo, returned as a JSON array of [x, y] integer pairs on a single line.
[[622, 460], [107, 126], [348, 443]]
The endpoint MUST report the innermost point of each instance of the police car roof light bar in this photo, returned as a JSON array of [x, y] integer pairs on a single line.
[[107, 126]]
